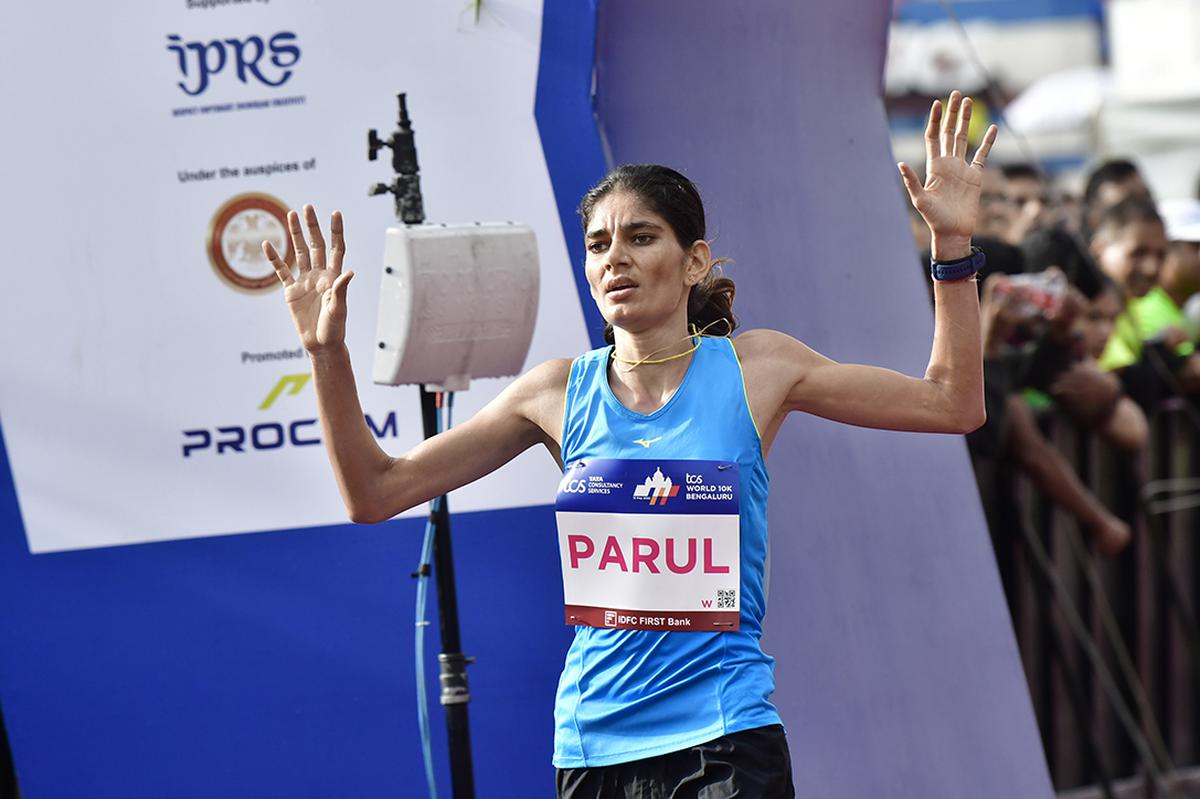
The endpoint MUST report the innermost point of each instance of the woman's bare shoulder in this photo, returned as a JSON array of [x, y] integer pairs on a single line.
[[540, 391], [775, 357], [764, 343], [536, 397], [548, 375]]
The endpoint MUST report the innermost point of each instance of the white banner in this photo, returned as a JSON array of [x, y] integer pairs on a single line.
[[153, 387]]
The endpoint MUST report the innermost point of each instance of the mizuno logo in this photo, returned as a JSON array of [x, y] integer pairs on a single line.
[[646, 442]]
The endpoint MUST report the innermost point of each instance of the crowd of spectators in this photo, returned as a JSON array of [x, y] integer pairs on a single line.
[[1090, 308]]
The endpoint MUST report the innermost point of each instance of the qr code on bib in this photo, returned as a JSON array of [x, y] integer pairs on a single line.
[[726, 600]]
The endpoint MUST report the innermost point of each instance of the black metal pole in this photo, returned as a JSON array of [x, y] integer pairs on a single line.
[[451, 662]]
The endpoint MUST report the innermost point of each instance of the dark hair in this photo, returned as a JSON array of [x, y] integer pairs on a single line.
[[1104, 283], [1126, 212], [676, 199], [1017, 171], [1111, 171]]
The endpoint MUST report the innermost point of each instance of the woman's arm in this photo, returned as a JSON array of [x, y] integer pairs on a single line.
[[786, 374], [949, 398], [374, 486]]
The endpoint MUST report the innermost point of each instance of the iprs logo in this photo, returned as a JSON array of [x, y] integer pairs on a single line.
[[200, 61]]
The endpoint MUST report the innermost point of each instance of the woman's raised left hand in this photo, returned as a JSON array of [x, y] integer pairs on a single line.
[[949, 200]]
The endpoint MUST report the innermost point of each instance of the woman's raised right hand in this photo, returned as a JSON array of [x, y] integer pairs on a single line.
[[316, 294]]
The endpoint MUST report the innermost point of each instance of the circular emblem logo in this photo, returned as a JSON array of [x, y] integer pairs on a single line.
[[235, 237]]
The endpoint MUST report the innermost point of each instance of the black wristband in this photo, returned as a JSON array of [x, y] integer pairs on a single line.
[[960, 269]]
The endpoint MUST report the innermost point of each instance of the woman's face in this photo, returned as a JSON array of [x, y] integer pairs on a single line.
[[638, 273]]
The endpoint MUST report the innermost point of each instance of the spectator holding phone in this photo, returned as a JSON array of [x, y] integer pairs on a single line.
[[1011, 431]]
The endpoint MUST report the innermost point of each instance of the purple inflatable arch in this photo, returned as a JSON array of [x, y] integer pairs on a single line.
[[898, 674]]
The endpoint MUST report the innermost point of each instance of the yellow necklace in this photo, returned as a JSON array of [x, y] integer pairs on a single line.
[[696, 336]]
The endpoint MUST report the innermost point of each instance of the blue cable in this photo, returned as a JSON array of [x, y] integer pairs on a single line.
[[422, 623]]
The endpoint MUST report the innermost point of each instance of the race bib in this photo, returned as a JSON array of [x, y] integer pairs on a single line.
[[650, 545]]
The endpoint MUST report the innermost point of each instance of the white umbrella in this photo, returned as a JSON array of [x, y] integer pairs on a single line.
[[1062, 102]]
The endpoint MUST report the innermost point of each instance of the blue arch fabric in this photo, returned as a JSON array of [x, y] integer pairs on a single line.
[[566, 121]]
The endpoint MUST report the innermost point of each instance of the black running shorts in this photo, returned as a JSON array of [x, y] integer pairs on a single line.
[[752, 763]]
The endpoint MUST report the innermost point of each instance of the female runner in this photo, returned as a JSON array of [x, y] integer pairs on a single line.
[[644, 710]]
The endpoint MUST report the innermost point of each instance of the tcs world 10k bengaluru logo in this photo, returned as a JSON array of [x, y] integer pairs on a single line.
[[657, 488], [235, 238]]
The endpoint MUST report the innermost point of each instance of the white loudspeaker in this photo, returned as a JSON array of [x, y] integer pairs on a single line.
[[456, 302]]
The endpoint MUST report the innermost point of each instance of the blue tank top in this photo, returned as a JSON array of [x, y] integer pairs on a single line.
[[631, 694]]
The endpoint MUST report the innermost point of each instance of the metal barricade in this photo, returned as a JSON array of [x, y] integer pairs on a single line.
[[1110, 646]]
